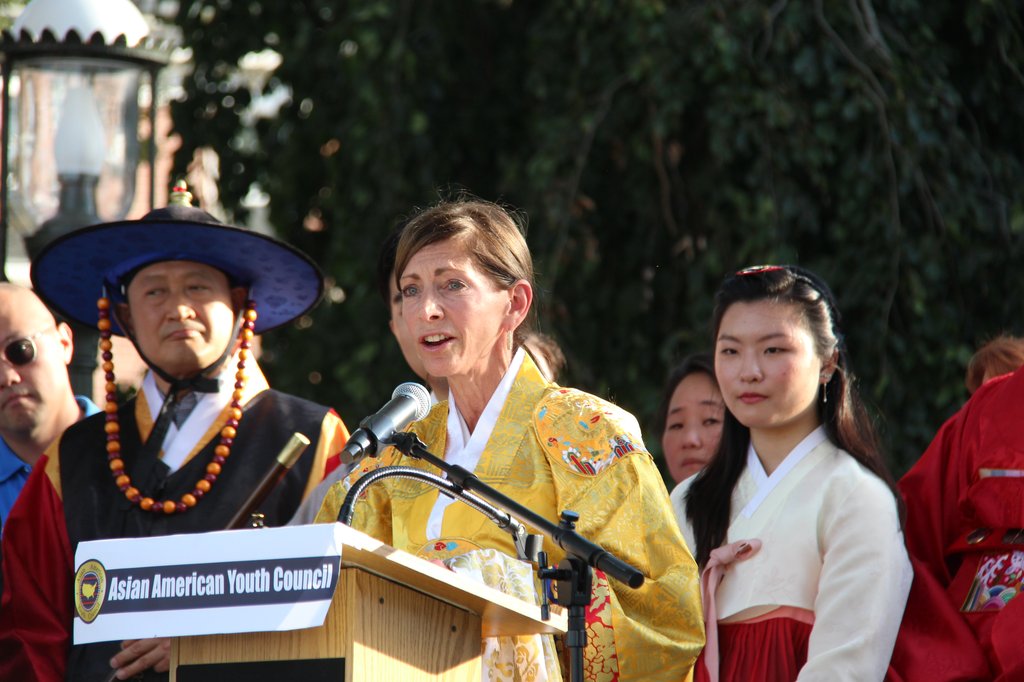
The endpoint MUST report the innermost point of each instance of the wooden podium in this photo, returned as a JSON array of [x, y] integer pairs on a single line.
[[394, 616]]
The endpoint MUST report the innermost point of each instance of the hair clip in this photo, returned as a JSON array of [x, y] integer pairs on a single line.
[[759, 269]]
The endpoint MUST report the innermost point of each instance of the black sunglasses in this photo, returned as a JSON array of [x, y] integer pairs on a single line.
[[21, 352]]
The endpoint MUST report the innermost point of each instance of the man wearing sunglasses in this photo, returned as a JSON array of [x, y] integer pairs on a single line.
[[36, 401]]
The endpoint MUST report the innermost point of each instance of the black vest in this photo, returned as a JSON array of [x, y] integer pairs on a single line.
[[95, 509]]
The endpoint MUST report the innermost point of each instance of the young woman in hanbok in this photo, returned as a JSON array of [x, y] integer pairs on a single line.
[[795, 523], [466, 279]]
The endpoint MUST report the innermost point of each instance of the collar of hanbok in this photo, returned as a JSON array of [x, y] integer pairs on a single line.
[[204, 421], [464, 448], [765, 483]]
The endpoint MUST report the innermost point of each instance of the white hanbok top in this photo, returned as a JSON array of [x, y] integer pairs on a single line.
[[464, 448], [832, 545]]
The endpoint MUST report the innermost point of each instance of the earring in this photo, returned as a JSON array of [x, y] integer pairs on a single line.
[[510, 341], [824, 393]]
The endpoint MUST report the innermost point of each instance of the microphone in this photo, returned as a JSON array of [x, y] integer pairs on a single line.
[[410, 402]]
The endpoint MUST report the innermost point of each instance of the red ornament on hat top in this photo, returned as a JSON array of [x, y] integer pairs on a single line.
[[180, 196]]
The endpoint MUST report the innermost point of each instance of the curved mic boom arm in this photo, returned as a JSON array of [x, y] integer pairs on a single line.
[[526, 548], [568, 539]]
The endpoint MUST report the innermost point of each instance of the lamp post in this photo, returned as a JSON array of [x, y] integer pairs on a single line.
[[79, 82]]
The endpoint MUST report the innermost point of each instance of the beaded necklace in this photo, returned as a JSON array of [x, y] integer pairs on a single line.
[[113, 426]]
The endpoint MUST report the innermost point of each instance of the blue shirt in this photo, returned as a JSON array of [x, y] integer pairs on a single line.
[[14, 471]]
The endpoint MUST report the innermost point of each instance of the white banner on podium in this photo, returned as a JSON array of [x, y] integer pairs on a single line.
[[254, 580]]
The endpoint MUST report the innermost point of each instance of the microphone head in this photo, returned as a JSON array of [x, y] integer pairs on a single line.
[[418, 393]]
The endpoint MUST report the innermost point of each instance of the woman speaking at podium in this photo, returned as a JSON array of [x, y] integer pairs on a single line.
[[466, 278]]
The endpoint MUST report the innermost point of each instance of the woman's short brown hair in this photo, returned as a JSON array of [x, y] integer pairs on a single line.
[[491, 235]]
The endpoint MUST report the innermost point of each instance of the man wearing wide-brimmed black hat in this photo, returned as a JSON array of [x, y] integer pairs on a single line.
[[187, 451]]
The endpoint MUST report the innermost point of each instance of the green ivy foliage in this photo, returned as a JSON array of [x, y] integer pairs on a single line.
[[655, 147]]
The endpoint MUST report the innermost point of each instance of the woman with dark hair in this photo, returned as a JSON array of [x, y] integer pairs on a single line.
[[796, 521], [690, 416]]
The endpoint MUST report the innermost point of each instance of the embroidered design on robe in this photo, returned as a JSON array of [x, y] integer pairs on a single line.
[[584, 432], [997, 581]]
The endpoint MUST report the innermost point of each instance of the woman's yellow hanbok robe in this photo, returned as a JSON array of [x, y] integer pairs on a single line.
[[553, 449]]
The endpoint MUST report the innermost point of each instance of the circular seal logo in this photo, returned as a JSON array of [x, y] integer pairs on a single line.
[[90, 589]]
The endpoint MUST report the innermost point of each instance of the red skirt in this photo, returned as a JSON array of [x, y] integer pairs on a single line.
[[769, 650]]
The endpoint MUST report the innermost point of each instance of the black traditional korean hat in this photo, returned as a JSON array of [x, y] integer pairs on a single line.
[[76, 269]]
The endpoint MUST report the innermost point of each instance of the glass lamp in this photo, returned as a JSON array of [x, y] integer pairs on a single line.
[[78, 85], [79, 80]]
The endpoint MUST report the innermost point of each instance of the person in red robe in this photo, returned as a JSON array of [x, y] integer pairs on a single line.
[[965, 515]]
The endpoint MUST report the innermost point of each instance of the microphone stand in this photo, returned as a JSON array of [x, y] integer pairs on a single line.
[[573, 574], [567, 538], [574, 580], [527, 546]]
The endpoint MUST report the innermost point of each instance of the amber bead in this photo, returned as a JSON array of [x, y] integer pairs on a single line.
[[112, 428]]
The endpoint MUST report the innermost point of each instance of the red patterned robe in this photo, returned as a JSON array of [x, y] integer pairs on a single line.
[[965, 508]]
